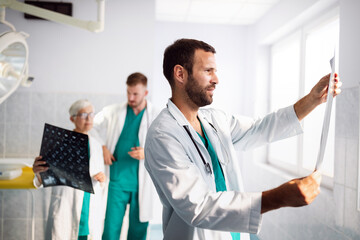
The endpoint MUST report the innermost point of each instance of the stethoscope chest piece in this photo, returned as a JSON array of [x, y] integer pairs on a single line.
[[208, 168], [206, 164]]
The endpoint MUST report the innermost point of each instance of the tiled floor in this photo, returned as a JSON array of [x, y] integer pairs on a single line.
[[156, 233]]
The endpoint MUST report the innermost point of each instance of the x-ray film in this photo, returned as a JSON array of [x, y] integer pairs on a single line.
[[66, 153], [326, 123]]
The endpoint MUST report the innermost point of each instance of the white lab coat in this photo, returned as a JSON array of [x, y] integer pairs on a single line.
[[192, 209], [108, 125], [66, 203]]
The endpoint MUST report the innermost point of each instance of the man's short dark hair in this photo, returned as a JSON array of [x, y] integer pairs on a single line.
[[182, 52], [136, 78]]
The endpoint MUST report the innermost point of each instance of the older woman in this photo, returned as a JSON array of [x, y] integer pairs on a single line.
[[74, 214]]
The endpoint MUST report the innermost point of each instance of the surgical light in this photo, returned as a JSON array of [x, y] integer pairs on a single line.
[[13, 62]]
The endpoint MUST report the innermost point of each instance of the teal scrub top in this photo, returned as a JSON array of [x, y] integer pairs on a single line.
[[84, 217], [124, 171], [217, 170]]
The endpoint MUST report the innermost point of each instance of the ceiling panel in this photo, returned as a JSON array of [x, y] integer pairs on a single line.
[[239, 12]]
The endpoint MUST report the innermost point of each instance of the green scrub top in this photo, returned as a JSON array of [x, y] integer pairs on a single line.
[[84, 217], [124, 171], [217, 170]]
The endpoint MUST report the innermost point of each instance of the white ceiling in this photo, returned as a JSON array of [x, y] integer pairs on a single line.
[[238, 12]]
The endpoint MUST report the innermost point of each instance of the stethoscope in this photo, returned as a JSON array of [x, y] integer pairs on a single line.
[[206, 164]]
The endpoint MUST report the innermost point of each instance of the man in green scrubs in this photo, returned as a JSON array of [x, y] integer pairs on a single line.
[[123, 187], [122, 129]]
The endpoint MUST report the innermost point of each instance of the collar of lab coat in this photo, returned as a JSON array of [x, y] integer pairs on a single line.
[[177, 114], [182, 121], [212, 134], [121, 112]]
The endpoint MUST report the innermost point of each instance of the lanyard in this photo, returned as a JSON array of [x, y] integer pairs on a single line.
[[206, 164]]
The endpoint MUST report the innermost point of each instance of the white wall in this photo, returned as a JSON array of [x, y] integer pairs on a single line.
[[349, 38]]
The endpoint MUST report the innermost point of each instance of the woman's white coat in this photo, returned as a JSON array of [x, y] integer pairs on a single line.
[[66, 203]]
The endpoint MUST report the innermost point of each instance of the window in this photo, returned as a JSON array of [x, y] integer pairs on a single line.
[[285, 75], [297, 63]]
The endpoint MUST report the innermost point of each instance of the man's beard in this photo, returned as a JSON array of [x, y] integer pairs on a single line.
[[197, 94], [135, 104]]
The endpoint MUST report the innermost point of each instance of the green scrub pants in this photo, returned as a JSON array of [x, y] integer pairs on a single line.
[[116, 207]]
